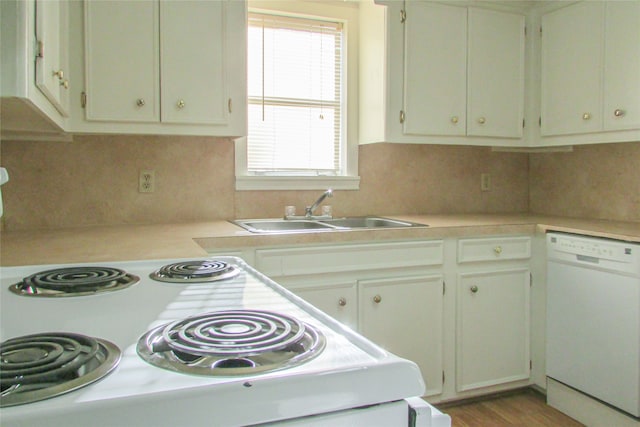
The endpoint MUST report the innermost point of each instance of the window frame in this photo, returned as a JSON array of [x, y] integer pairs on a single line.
[[349, 180]]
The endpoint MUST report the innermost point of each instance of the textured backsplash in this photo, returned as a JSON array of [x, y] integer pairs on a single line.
[[599, 181], [94, 181]]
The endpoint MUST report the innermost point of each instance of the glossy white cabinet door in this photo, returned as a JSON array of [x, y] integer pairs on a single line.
[[338, 300], [405, 316], [495, 95], [572, 53], [435, 56], [493, 328], [121, 57], [52, 66], [192, 48], [622, 65]]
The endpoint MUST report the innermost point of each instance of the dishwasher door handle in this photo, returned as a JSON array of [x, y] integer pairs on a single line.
[[586, 258]]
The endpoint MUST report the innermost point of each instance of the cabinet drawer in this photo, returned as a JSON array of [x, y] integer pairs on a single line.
[[494, 249], [335, 259]]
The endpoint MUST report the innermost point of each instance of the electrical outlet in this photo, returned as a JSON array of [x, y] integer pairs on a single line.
[[147, 181], [485, 182]]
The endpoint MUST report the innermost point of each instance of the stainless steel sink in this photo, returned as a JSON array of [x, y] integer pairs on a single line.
[[282, 225], [315, 225], [368, 222]]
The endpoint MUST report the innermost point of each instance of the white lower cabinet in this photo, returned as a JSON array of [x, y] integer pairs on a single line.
[[492, 312], [391, 292], [458, 308], [404, 316], [493, 328], [338, 300]]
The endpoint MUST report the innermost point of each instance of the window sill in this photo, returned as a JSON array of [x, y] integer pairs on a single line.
[[247, 182]]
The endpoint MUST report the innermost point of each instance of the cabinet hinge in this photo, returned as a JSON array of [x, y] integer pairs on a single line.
[[39, 49], [83, 99], [403, 16], [523, 123], [229, 106], [442, 377], [540, 121], [402, 116], [530, 365], [525, 31], [444, 287], [540, 30], [530, 279]]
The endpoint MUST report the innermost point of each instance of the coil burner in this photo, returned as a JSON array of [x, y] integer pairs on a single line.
[[198, 271], [74, 281], [37, 367], [230, 343]]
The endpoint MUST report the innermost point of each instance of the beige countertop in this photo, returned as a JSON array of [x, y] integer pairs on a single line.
[[165, 241]]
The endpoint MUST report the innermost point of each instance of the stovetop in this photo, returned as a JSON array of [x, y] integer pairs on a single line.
[[339, 377]]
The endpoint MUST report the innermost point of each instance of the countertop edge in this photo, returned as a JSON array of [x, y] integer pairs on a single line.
[[194, 240]]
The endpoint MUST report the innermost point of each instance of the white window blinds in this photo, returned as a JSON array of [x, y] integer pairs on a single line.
[[295, 96]]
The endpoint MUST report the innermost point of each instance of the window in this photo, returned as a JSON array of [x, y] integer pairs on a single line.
[[296, 104], [295, 96]]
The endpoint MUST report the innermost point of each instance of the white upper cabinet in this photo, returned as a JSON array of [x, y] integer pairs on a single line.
[[495, 92], [52, 66], [186, 59], [435, 73], [622, 65], [35, 81], [159, 66], [590, 71], [572, 53], [452, 71], [122, 58]]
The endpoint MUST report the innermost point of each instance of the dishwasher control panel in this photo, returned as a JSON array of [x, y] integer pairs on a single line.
[[607, 253]]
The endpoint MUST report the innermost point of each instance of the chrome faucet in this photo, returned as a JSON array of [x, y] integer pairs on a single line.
[[308, 212]]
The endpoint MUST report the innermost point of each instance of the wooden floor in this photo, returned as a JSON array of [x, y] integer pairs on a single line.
[[525, 408]]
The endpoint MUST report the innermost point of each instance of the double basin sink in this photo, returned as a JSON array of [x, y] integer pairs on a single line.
[[321, 224]]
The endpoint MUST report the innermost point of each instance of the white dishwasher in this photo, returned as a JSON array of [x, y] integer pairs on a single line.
[[593, 318]]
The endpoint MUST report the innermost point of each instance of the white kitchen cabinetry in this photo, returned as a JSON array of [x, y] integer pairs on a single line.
[[391, 292], [590, 68], [493, 312], [52, 62], [451, 71], [35, 74], [339, 300], [405, 316], [122, 58], [165, 67]]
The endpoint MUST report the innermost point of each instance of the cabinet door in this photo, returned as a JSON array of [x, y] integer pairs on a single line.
[[622, 66], [405, 317], [572, 53], [495, 95], [338, 300], [192, 43], [493, 328], [52, 66], [122, 66], [435, 90]]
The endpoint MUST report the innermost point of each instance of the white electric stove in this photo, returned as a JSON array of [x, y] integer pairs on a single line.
[[188, 343]]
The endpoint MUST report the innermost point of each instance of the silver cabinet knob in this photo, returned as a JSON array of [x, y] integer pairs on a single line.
[[65, 84], [497, 250], [454, 119], [377, 299], [474, 289], [342, 302], [59, 74], [482, 120], [586, 116], [619, 113], [140, 102], [181, 104]]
